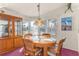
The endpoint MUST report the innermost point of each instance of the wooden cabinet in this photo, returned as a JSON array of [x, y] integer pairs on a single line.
[[2, 45], [8, 44], [18, 42], [9, 40]]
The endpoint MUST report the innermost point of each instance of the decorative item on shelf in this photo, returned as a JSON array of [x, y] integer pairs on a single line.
[[69, 7]]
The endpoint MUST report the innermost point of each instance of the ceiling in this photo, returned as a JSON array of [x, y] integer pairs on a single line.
[[30, 9]]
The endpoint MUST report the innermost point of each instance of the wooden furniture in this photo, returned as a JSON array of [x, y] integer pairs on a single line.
[[10, 40], [18, 41], [44, 45], [30, 48], [6, 44], [46, 35], [56, 50], [28, 36]]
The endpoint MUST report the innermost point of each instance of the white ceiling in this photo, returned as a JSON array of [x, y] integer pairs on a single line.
[[30, 9]]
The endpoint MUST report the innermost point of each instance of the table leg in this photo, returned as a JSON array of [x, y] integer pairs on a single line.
[[45, 51]]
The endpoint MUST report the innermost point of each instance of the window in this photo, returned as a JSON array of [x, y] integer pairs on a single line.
[[25, 27], [52, 27], [34, 28], [48, 27]]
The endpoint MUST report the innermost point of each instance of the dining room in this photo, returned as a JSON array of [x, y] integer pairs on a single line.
[[39, 29]]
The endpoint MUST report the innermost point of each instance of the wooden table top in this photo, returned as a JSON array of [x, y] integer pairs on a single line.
[[43, 43]]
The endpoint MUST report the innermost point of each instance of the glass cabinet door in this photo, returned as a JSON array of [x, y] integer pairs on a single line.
[[18, 28], [3, 28]]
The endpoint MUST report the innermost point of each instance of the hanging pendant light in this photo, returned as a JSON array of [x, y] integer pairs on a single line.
[[69, 7], [39, 22]]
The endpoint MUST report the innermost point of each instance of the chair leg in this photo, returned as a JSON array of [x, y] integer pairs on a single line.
[[58, 54]]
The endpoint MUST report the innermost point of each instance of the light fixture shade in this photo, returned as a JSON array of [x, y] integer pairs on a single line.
[[39, 22]]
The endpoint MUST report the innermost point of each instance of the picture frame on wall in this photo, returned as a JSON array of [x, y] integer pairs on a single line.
[[66, 23]]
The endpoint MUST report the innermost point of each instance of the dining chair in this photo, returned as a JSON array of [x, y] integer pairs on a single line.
[[46, 35], [28, 36], [56, 50], [30, 49]]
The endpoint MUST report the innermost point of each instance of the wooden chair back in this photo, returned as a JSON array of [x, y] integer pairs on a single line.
[[28, 36], [28, 47], [28, 44], [46, 35], [61, 41], [59, 45]]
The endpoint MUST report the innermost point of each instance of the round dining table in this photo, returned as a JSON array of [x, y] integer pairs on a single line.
[[44, 45]]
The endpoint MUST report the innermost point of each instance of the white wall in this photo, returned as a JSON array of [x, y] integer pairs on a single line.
[[72, 36], [72, 39]]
